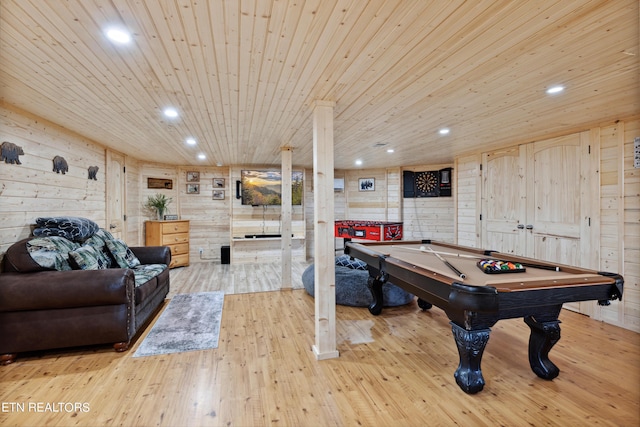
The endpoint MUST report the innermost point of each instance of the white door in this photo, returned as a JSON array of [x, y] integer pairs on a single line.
[[554, 200], [116, 200], [503, 201], [537, 199]]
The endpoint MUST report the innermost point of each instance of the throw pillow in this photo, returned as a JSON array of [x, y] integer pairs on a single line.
[[98, 241], [87, 258], [104, 235], [51, 252], [122, 254], [70, 227], [347, 261]]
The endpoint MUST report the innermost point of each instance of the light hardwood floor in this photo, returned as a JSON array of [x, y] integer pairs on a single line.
[[233, 278], [395, 369]]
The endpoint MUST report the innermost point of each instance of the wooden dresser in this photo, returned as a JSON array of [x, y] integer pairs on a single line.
[[174, 234]]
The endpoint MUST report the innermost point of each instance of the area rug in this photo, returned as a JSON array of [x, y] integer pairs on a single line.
[[190, 322]]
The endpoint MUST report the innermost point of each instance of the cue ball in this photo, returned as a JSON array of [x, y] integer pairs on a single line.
[[422, 248]]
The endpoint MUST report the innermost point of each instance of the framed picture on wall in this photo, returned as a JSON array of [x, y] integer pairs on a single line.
[[367, 184], [218, 182], [193, 176], [193, 188], [160, 183], [218, 194]]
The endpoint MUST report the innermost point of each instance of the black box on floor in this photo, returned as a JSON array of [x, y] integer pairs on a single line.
[[225, 254]]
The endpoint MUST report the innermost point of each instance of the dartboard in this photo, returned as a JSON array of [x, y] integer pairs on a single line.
[[427, 184]]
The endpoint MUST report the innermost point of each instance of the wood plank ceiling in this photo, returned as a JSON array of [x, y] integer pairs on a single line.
[[243, 74]]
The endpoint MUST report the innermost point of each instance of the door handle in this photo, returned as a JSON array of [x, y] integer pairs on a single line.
[[520, 226], [529, 226], [111, 226]]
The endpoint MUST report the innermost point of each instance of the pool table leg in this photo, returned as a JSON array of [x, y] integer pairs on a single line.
[[375, 286], [544, 335], [471, 345]]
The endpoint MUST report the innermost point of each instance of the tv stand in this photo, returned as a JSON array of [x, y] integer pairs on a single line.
[[259, 248]]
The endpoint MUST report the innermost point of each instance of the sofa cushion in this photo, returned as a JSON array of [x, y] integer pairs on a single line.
[[143, 273], [51, 252], [73, 228], [87, 258], [122, 254], [146, 279]]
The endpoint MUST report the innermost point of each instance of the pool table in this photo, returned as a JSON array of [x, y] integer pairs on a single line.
[[452, 278]]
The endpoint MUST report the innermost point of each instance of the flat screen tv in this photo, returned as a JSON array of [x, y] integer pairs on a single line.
[[264, 187]]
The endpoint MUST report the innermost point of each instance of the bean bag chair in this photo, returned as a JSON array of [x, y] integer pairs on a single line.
[[351, 285]]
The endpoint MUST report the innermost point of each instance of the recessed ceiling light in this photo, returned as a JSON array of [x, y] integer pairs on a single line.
[[555, 89], [170, 112], [358, 162], [202, 156], [191, 141], [444, 131], [390, 150], [118, 35]]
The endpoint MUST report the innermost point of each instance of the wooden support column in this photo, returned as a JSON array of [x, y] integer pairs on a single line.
[[323, 217], [285, 218]]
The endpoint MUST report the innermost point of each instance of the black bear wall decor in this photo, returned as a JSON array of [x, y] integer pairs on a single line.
[[60, 165], [9, 152], [93, 171]]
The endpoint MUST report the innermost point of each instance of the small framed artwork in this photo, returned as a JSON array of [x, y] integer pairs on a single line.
[[160, 183], [170, 217], [193, 188], [218, 182], [218, 194], [193, 176], [367, 184]]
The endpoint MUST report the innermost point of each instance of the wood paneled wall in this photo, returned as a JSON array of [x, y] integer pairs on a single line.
[[366, 205], [620, 220], [631, 225], [467, 210], [394, 194], [210, 220], [32, 189]]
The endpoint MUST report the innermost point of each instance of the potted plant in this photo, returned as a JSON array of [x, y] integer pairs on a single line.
[[159, 203]]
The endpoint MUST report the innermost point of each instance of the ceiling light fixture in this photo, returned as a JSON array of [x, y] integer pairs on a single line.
[[555, 89], [170, 112], [358, 162], [390, 150], [191, 141], [202, 156], [444, 131], [118, 35]]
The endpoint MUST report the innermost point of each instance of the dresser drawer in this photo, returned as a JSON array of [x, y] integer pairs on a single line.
[[179, 248], [175, 227], [171, 239], [179, 260]]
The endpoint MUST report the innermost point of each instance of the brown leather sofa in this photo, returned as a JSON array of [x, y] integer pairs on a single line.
[[47, 309]]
